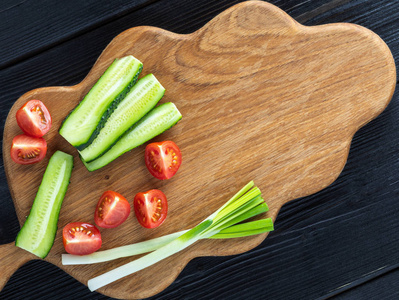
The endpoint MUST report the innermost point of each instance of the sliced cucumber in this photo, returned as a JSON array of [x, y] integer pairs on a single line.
[[154, 123], [144, 95], [38, 232], [86, 120]]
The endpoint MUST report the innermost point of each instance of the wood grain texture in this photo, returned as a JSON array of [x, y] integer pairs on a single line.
[[300, 76], [20, 42]]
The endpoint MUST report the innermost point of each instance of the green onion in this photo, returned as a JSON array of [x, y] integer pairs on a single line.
[[245, 229], [220, 225]]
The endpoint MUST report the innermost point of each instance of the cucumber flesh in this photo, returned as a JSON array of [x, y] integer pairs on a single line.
[[38, 232], [144, 95], [154, 123], [84, 122]]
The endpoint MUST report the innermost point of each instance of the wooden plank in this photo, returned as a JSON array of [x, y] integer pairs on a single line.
[[384, 286], [30, 34], [382, 136], [30, 27]]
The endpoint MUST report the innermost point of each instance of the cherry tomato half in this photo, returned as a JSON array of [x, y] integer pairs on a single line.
[[81, 238], [162, 159], [112, 210], [26, 150], [151, 208], [34, 118]]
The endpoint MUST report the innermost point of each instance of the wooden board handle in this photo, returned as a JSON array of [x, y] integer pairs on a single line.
[[12, 258]]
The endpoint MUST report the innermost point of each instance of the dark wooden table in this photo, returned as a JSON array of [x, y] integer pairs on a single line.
[[342, 242]]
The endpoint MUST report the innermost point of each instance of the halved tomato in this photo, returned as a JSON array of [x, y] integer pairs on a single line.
[[151, 208], [27, 150], [162, 159], [34, 118], [112, 210], [81, 238]]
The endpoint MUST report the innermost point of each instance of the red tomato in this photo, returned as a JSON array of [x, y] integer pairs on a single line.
[[27, 150], [112, 210], [151, 208], [81, 238], [34, 118], [162, 159]]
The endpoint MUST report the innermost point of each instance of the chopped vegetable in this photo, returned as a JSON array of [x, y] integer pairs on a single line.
[[162, 159], [151, 208], [154, 123], [34, 118], [142, 97], [26, 150], [112, 210], [118, 115], [38, 232], [81, 238], [82, 125], [221, 224]]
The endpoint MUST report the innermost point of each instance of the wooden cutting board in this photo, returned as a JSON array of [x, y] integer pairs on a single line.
[[263, 98]]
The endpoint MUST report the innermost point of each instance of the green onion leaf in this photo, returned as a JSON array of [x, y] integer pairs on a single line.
[[264, 223], [239, 234], [236, 213], [261, 208], [237, 203], [245, 229]]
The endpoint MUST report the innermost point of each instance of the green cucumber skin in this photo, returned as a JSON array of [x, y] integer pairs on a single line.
[[48, 229], [113, 104], [113, 153], [109, 111], [94, 150]]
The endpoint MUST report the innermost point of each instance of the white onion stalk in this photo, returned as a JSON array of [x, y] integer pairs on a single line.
[[173, 247], [118, 252]]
